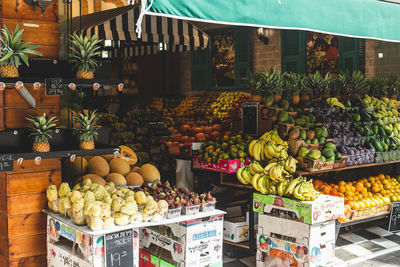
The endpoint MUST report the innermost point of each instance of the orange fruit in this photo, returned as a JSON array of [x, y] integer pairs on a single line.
[[361, 204], [375, 189], [349, 193], [342, 189], [385, 181], [381, 176], [371, 179], [359, 187], [367, 185], [341, 183], [393, 198], [355, 206]]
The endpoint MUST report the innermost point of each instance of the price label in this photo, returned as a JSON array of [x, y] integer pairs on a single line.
[[119, 248], [6, 163], [394, 222], [54, 86]]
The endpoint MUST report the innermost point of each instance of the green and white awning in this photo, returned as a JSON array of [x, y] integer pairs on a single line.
[[353, 18]]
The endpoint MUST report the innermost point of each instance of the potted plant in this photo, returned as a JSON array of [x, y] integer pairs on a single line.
[[84, 51], [315, 83], [342, 85], [86, 129], [327, 83], [41, 131], [393, 86], [292, 87], [303, 87], [255, 82], [13, 51]]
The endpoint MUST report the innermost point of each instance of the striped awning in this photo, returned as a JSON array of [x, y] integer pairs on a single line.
[[119, 25]]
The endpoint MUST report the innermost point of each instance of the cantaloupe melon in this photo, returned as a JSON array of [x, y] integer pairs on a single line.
[[135, 169], [149, 173], [128, 154], [88, 158], [134, 178], [98, 165], [108, 157], [95, 178], [119, 165], [117, 179], [79, 166]]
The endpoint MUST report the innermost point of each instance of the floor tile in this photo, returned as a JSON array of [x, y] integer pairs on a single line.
[[371, 246], [378, 231], [340, 242], [357, 250], [395, 238], [344, 255], [366, 234], [384, 242], [353, 238], [228, 259], [235, 264], [250, 261]]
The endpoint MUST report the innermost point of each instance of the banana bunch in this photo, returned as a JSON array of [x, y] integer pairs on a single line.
[[268, 146], [256, 149], [334, 102], [297, 188], [277, 170], [273, 137], [272, 150]]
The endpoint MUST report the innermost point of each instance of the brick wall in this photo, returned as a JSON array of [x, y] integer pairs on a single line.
[[263, 56], [390, 63], [370, 58]]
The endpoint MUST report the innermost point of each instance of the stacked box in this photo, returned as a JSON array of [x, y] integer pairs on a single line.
[[295, 243], [194, 243]]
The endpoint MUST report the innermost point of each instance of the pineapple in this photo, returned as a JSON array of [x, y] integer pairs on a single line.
[[83, 52], [12, 51], [41, 131], [86, 129]]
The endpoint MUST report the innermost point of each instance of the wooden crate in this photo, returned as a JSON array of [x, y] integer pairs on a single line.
[[1, 111], [22, 224], [15, 117], [19, 10], [12, 99]]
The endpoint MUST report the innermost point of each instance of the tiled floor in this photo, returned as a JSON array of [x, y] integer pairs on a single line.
[[370, 247]]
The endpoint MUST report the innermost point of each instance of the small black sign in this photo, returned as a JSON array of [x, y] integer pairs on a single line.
[[394, 222], [6, 163], [250, 118], [54, 86], [119, 248]]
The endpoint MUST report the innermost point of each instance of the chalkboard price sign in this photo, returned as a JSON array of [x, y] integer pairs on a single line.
[[250, 118], [6, 163], [394, 222], [119, 249], [54, 86]]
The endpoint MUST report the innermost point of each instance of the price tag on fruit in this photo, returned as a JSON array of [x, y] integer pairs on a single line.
[[6, 163]]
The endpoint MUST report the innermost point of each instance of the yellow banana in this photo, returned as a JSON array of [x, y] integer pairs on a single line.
[[254, 181], [261, 184], [239, 175], [292, 185], [297, 194], [269, 166], [246, 175], [251, 145]]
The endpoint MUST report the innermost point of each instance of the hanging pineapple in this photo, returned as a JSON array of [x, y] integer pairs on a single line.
[[41, 131], [87, 123], [83, 52], [12, 51]]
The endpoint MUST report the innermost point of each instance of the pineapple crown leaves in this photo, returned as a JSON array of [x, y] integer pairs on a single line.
[[315, 82], [326, 83], [273, 81], [12, 49], [84, 51], [393, 84], [87, 124], [41, 127], [358, 83], [292, 83]]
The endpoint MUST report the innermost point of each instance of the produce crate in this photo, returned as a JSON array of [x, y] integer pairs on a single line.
[[313, 165], [340, 163], [294, 145], [272, 113], [180, 150], [226, 166], [370, 212], [387, 156], [284, 128]]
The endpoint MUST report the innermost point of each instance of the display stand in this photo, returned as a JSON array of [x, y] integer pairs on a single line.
[[96, 253]]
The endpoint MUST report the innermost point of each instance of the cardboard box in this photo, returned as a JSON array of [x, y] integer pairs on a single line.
[[294, 146], [312, 165], [226, 166], [236, 229], [324, 208], [63, 235], [146, 259], [194, 243]]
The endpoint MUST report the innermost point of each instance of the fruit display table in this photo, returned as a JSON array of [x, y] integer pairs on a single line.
[[63, 234]]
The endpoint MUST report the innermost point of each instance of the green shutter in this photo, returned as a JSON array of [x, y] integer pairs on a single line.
[[293, 51], [200, 66], [348, 53], [242, 50]]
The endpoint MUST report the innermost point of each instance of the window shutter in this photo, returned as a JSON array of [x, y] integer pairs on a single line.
[[200, 74], [293, 51], [242, 50], [348, 53]]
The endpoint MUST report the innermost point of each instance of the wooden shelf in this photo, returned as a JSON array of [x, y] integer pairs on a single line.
[[348, 168], [244, 244]]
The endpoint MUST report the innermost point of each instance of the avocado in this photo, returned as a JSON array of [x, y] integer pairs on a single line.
[[321, 140], [324, 132], [331, 146], [308, 141], [328, 153], [323, 159], [318, 132]]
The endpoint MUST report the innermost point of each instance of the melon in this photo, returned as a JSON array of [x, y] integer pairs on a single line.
[[135, 169], [149, 173], [98, 165], [116, 178], [134, 178], [120, 165], [128, 154], [88, 158], [108, 157], [95, 179], [79, 166]]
